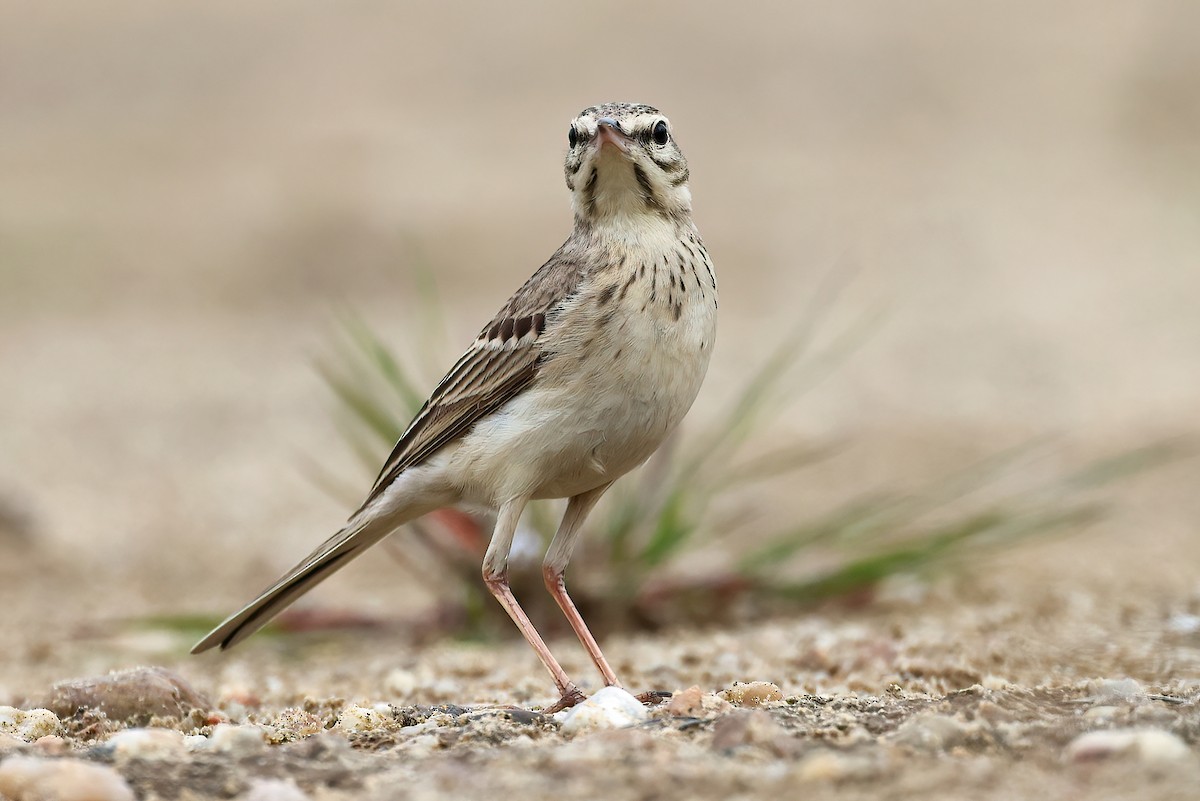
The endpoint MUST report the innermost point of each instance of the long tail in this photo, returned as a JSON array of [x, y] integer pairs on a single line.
[[327, 559]]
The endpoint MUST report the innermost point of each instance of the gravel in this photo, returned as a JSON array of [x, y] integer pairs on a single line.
[[848, 703]]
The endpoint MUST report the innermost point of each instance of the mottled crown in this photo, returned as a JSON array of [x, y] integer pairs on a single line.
[[618, 110]]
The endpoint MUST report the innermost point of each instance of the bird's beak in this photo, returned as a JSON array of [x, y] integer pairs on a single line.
[[608, 132]]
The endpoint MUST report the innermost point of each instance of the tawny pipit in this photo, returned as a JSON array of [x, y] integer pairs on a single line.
[[576, 381]]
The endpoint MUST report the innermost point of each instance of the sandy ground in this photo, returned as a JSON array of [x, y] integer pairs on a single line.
[[188, 194]]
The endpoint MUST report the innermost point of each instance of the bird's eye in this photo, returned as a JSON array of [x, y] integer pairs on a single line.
[[661, 134], [572, 137]]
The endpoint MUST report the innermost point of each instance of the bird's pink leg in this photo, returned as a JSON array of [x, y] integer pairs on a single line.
[[570, 694], [555, 566], [558, 590], [495, 576]]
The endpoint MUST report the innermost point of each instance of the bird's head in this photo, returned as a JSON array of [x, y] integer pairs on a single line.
[[623, 161]]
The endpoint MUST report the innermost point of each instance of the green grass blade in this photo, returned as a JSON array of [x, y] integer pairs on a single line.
[[380, 357], [1135, 460], [860, 513], [361, 403], [929, 550], [672, 529]]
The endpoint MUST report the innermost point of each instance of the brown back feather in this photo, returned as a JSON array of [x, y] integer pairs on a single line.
[[498, 366]]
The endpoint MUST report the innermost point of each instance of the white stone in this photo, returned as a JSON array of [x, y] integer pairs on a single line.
[[360, 719], [195, 742], [609, 708], [25, 778], [28, 724], [1152, 746], [233, 739], [38, 723], [146, 744]]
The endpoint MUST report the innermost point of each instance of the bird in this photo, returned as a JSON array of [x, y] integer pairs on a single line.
[[577, 380]]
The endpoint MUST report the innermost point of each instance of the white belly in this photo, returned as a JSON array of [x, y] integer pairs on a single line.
[[597, 409]]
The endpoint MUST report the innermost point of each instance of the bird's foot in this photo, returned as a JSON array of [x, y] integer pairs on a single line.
[[570, 698], [574, 696]]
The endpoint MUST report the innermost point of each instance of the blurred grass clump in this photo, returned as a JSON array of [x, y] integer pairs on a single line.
[[629, 570]]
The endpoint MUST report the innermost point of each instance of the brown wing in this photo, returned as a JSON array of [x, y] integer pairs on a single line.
[[501, 362]]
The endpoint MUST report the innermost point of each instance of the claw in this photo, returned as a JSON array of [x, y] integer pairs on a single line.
[[570, 698]]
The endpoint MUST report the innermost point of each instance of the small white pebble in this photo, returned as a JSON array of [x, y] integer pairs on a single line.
[[38, 723], [30, 724], [609, 708], [146, 744], [274, 790], [25, 778], [195, 742], [360, 719], [1152, 746], [235, 739]]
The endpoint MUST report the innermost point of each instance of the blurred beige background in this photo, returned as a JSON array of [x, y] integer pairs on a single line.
[[188, 191]]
